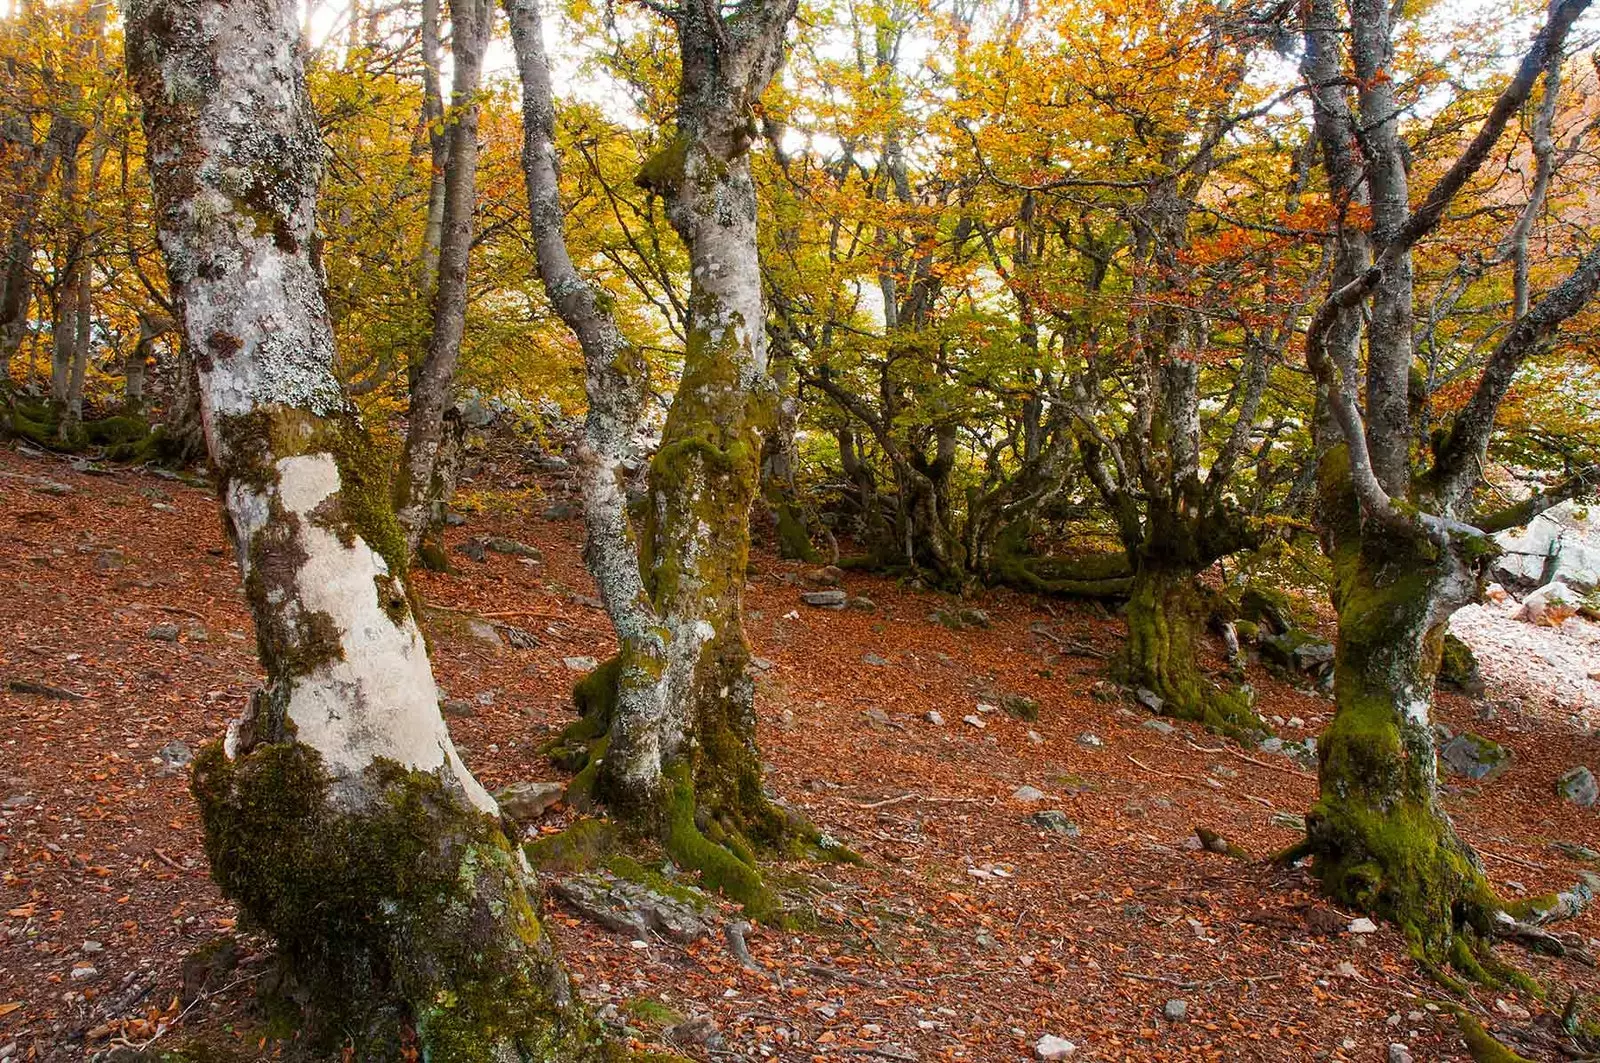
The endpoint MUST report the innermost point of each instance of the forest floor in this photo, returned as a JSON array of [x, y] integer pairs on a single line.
[[968, 934]]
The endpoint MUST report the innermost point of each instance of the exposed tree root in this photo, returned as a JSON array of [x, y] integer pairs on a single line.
[[713, 819]]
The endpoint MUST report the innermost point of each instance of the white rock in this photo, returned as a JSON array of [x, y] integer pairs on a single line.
[[1035, 738], [1363, 926], [935, 717], [975, 721], [1399, 1053], [1550, 605], [1052, 1047], [1027, 793]]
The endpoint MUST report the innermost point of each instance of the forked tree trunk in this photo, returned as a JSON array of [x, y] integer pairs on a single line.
[[1382, 841], [424, 484], [668, 735], [337, 813]]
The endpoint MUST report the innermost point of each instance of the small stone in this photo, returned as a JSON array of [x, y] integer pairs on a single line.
[[1346, 969], [1399, 1053], [1027, 793], [580, 664], [934, 717], [699, 1030], [1055, 821], [163, 633], [1574, 851], [974, 721], [1052, 1047], [827, 576], [1289, 821], [877, 717], [175, 756], [1149, 699], [459, 708], [560, 511], [526, 802], [1091, 741], [472, 550], [1296, 722], [53, 487], [1578, 786], [92, 946], [1161, 727], [1510, 1010], [864, 605], [761, 664], [1175, 1010], [502, 545], [1222, 771], [17, 801], [874, 660], [1475, 757], [1035, 738], [1019, 707], [84, 973], [830, 599], [1363, 925], [1271, 745]]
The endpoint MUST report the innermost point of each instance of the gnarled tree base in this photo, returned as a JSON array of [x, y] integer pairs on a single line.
[[396, 907], [1166, 614], [711, 816]]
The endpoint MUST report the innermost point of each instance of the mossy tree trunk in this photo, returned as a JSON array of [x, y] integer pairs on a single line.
[[668, 738], [337, 812], [1167, 617], [1381, 839], [1407, 549]]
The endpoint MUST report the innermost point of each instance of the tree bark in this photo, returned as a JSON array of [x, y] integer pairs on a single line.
[[337, 812], [420, 490]]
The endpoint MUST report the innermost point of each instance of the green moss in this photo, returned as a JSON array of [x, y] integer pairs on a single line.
[[719, 868], [650, 1013], [1380, 839], [1481, 1044], [1458, 667], [662, 172], [578, 848], [794, 540], [1165, 617], [116, 430], [412, 910]]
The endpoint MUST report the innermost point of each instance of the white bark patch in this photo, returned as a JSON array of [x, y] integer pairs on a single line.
[[380, 700]]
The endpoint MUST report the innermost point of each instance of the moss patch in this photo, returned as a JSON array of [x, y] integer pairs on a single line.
[[411, 911]]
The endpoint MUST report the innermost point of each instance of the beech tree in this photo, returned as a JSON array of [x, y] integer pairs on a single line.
[[431, 460], [1402, 523], [668, 735], [337, 812]]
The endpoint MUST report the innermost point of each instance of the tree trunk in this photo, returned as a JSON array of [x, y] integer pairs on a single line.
[[1167, 616], [337, 812], [1381, 839], [183, 424], [82, 339], [779, 462], [668, 735], [421, 488], [64, 331]]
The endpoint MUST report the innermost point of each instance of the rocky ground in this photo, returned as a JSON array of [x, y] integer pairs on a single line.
[[1025, 880]]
